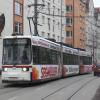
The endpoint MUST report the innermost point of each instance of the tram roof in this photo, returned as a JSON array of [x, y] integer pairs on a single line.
[[84, 53], [17, 36], [30, 37]]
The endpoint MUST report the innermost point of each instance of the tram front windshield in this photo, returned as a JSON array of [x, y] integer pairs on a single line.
[[16, 51]]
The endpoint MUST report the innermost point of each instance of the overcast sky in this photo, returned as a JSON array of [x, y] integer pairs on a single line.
[[96, 3]]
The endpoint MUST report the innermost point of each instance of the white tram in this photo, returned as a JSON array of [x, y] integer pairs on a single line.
[[32, 59]]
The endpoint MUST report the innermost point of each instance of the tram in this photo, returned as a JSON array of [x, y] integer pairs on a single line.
[[35, 59]]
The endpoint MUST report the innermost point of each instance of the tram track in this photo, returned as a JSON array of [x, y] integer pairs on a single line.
[[66, 86], [69, 98], [10, 88], [18, 88], [9, 91]]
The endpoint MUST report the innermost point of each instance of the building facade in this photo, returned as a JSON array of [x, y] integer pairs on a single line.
[[97, 15], [75, 23], [48, 19], [91, 27], [18, 16]]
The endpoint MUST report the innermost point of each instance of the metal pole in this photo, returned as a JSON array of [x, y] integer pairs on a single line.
[[73, 23], [35, 17], [93, 47], [61, 38]]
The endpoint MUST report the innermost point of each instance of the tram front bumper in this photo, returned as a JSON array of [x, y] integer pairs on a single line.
[[15, 77]]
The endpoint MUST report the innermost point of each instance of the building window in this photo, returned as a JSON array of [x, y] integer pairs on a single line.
[[49, 23], [53, 11], [43, 34], [69, 34], [53, 25], [53, 36], [48, 7], [18, 28], [48, 35], [62, 39], [58, 38], [58, 11], [43, 19], [18, 8], [53, 1], [68, 8], [43, 1], [69, 21]]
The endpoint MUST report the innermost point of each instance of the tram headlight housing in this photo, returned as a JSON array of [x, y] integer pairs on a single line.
[[5, 69], [25, 69]]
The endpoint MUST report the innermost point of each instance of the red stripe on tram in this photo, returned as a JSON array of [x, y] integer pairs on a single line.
[[17, 66]]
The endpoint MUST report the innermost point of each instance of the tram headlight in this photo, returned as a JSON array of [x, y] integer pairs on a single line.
[[5, 69], [25, 69]]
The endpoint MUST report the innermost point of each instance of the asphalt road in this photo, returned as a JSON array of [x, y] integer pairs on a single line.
[[82, 87]]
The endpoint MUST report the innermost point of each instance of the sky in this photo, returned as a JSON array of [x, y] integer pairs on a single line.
[[96, 3]]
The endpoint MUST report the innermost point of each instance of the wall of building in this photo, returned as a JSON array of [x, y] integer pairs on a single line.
[[97, 10], [69, 26], [77, 34], [90, 29], [18, 13], [79, 24], [49, 19], [4, 5]]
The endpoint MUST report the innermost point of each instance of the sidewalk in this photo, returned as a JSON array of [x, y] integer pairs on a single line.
[[97, 95]]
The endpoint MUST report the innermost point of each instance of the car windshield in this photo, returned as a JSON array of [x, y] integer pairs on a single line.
[[16, 51]]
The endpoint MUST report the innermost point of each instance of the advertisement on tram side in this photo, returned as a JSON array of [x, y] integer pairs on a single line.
[[44, 71], [70, 70]]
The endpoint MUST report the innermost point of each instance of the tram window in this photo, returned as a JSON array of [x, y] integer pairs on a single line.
[[85, 60], [66, 58], [76, 59], [49, 56], [71, 59], [43, 54], [54, 57], [81, 60], [90, 60], [36, 55]]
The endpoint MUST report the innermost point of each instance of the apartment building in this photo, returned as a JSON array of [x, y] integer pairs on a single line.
[[75, 23], [91, 29], [48, 19], [97, 15], [18, 16]]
